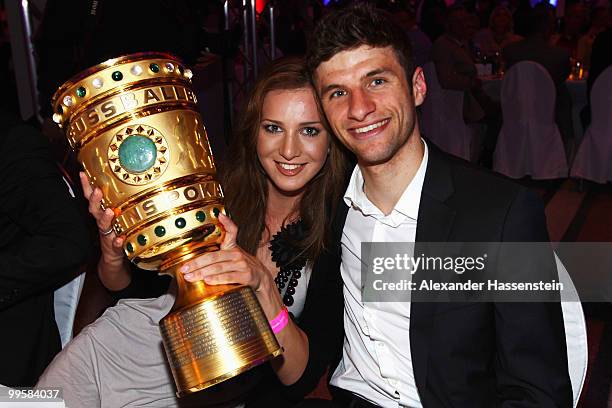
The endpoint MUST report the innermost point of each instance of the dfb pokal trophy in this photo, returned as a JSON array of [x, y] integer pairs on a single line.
[[135, 126]]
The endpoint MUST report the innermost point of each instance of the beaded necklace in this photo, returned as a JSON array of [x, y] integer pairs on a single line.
[[283, 254]]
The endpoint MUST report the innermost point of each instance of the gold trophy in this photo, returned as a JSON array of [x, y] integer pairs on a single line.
[[139, 136]]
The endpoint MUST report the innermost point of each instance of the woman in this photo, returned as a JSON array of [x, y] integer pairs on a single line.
[[498, 34], [287, 170]]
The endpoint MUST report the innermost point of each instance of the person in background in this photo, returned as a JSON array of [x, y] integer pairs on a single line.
[[454, 64], [601, 20], [432, 17], [421, 44], [556, 60], [472, 26], [574, 24], [521, 15], [285, 178], [535, 47], [43, 242], [483, 10], [456, 70], [498, 34]]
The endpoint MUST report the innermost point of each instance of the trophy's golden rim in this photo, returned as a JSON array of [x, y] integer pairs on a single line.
[[118, 90], [140, 56], [160, 261], [180, 210], [229, 375], [166, 215]]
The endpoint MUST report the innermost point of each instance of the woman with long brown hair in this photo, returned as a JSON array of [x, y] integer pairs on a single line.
[[284, 179]]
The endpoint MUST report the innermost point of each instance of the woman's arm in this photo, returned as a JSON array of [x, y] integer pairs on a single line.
[[290, 366], [113, 267]]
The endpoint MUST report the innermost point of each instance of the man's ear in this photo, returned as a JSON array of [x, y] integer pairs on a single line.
[[419, 86]]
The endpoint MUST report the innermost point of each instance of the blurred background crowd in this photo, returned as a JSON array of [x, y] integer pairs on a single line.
[[467, 40]]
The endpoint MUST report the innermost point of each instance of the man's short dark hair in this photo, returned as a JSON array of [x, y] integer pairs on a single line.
[[356, 25]]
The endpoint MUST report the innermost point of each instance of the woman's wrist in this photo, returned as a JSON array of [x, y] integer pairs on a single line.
[[114, 276], [278, 323], [112, 261], [269, 299]]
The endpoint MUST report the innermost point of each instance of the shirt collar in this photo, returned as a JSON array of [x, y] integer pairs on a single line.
[[407, 205]]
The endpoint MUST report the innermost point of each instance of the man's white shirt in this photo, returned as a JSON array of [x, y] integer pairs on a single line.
[[376, 362]]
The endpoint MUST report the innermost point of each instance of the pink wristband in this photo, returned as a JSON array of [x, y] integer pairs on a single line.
[[280, 321]]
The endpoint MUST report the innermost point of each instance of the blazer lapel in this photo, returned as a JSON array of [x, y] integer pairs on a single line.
[[338, 222], [434, 224]]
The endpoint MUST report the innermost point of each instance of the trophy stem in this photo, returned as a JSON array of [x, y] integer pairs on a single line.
[[213, 333]]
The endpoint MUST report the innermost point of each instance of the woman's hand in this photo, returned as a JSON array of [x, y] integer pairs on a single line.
[[111, 244], [231, 264], [112, 267]]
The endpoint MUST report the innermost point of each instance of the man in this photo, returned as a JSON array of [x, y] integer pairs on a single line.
[[574, 24], [456, 70], [420, 43], [43, 242], [454, 64], [403, 189], [535, 47]]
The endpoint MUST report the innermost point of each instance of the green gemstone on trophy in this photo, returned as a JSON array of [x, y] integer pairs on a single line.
[[117, 76], [200, 216], [137, 154], [81, 91], [154, 67], [142, 240], [160, 231], [180, 222], [216, 211], [130, 247]]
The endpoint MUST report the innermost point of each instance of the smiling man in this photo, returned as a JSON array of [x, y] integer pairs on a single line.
[[413, 354]]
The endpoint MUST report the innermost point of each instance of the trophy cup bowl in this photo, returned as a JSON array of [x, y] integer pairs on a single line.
[[137, 131]]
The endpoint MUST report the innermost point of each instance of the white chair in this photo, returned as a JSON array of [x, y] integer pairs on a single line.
[[442, 118], [529, 143], [594, 158], [66, 300], [575, 332]]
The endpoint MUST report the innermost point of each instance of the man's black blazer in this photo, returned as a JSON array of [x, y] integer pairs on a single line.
[[43, 241], [463, 354]]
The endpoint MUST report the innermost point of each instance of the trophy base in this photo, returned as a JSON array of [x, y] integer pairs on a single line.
[[216, 338]]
